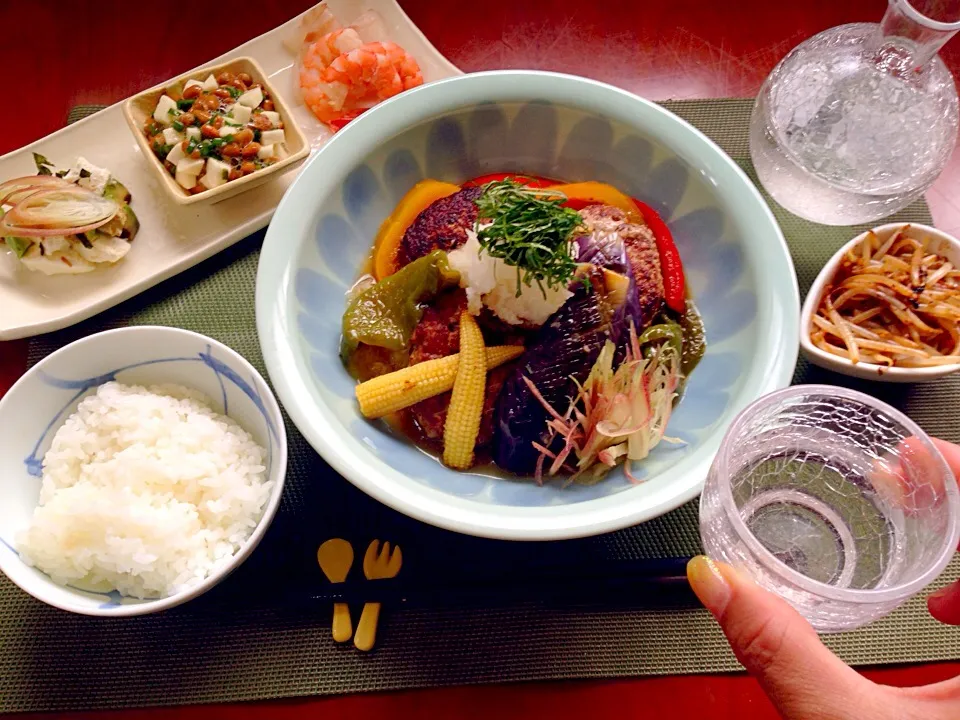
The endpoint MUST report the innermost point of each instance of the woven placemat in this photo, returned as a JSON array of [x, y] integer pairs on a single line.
[[246, 640]]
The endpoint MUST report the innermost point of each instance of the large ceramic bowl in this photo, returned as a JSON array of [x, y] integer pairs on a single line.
[[33, 410], [736, 260]]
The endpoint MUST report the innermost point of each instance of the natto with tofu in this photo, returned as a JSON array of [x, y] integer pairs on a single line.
[[209, 132]]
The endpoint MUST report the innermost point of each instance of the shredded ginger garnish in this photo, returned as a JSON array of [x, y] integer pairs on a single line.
[[618, 413]]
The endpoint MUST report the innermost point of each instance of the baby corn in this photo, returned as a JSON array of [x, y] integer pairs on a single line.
[[398, 390], [466, 404]]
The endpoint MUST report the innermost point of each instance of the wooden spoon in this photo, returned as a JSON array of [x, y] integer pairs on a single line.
[[336, 558]]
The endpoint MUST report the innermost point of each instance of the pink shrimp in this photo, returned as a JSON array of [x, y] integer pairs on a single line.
[[340, 75], [313, 24], [322, 52]]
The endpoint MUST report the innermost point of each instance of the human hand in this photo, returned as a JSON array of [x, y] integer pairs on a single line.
[[798, 673], [944, 604]]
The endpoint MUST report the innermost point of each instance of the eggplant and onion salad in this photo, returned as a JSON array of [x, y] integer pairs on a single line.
[[209, 132], [67, 221], [540, 326]]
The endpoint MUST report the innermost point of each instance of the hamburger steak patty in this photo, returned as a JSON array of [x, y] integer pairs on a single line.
[[442, 226]]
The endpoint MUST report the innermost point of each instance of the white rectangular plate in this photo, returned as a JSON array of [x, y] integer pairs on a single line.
[[171, 238]]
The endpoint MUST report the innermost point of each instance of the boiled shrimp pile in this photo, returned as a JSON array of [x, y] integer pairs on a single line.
[[344, 71]]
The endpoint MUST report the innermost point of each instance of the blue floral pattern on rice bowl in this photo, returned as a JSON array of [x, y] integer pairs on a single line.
[[571, 141]]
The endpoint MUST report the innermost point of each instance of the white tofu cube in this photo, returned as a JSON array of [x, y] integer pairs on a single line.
[[210, 83], [162, 113], [171, 136], [177, 154], [272, 116], [240, 113], [190, 166], [251, 98], [280, 151], [185, 180], [271, 137], [216, 173], [266, 151], [191, 82], [229, 130], [193, 133]]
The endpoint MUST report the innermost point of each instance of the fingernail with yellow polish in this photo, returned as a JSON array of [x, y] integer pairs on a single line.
[[709, 584]]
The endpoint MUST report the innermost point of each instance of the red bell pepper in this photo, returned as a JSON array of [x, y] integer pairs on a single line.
[[674, 291], [533, 181]]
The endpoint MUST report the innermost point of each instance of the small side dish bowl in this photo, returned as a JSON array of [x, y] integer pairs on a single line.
[[948, 245], [139, 108], [39, 402]]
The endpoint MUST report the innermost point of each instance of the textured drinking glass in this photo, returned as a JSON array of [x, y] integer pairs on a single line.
[[832, 499], [856, 122]]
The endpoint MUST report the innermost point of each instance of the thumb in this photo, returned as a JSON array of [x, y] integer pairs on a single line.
[[778, 647], [944, 604]]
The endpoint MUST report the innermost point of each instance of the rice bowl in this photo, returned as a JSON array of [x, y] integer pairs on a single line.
[[38, 405]]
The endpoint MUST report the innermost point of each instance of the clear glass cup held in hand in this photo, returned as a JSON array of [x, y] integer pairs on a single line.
[[834, 500], [858, 121]]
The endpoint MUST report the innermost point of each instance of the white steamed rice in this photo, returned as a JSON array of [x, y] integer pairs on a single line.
[[146, 491]]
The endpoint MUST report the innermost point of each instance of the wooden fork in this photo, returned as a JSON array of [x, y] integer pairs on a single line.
[[376, 566]]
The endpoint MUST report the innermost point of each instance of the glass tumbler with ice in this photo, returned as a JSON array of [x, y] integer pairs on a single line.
[[834, 500]]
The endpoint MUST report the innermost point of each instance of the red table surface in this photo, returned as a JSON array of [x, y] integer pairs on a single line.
[[100, 51]]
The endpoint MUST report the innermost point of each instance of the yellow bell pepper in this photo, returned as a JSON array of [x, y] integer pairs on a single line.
[[582, 193], [418, 199]]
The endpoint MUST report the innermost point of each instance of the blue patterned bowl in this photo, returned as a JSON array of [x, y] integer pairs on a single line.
[[35, 407], [737, 262]]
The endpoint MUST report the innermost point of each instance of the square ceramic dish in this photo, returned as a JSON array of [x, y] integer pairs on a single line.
[[140, 107]]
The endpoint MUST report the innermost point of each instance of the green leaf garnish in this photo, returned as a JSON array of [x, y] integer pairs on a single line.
[[18, 245], [529, 229], [44, 166]]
